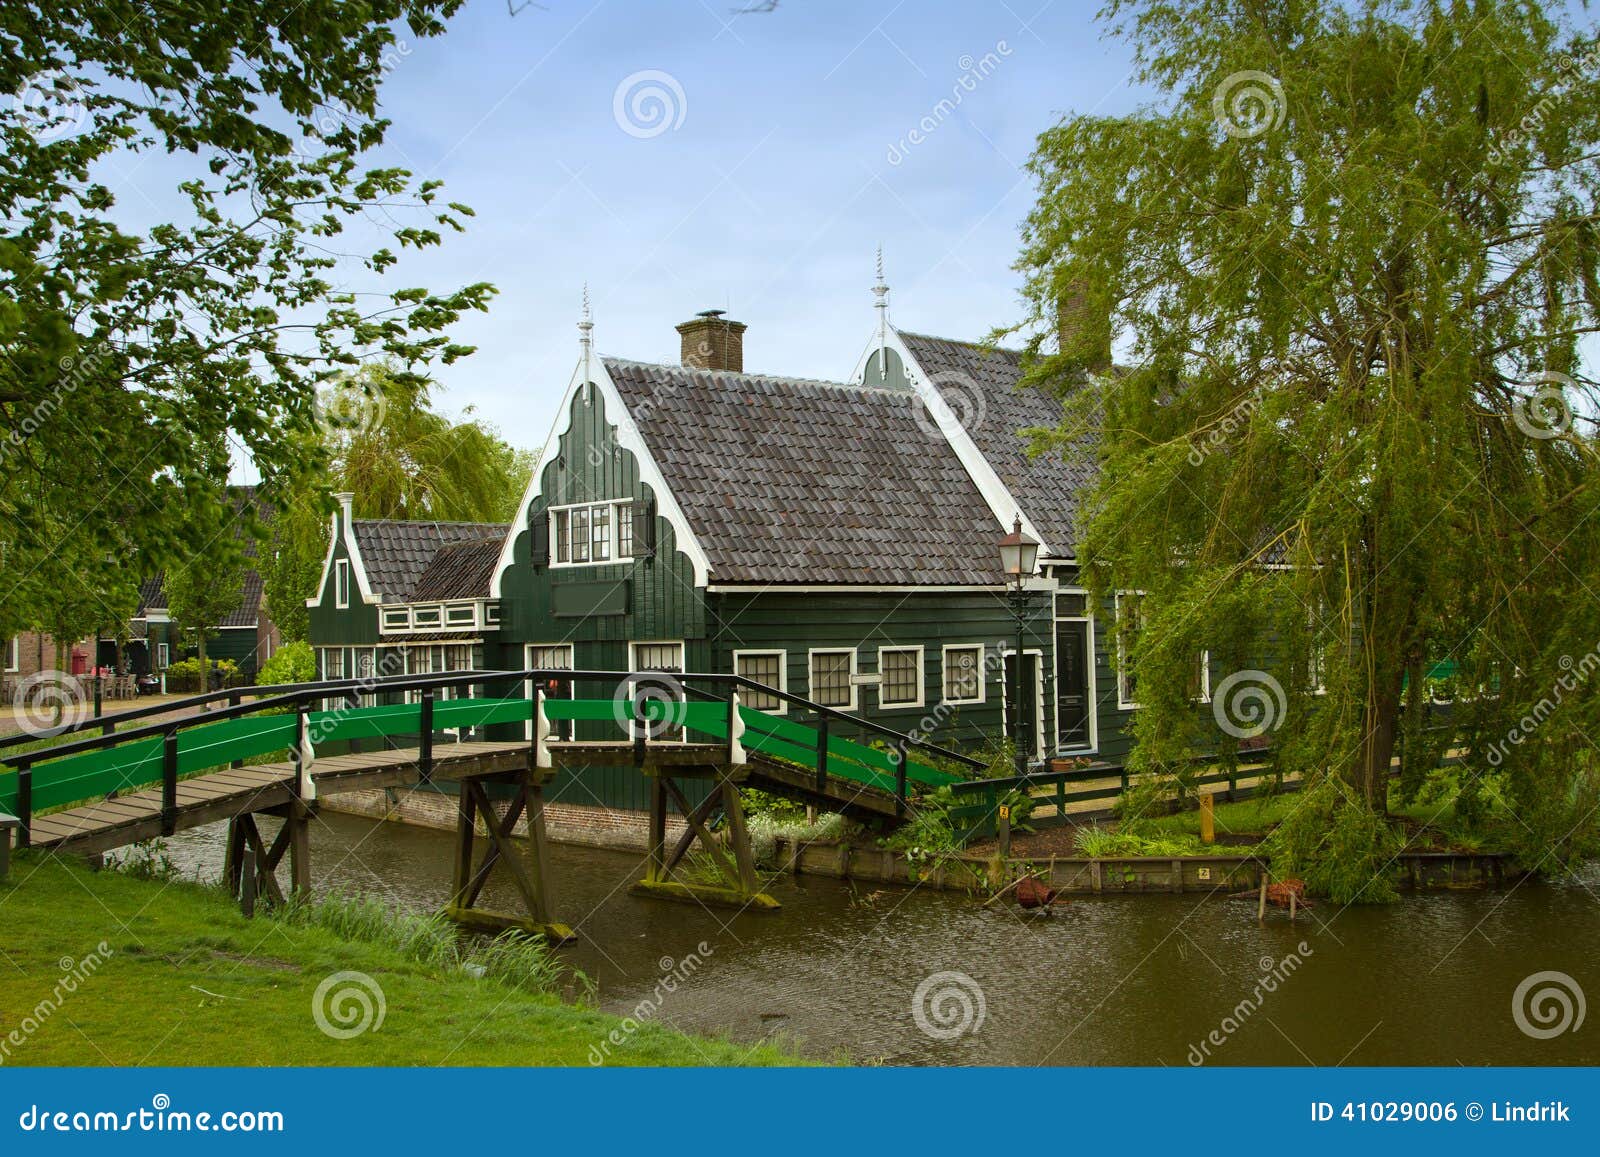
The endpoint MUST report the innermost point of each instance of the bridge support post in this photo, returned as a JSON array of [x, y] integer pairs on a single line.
[[529, 871], [740, 885]]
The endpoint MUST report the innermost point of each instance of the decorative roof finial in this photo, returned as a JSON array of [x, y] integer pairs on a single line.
[[585, 320], [881, 292]]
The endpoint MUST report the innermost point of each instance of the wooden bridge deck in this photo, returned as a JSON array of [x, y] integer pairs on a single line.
[[228, 792], [223, 794]]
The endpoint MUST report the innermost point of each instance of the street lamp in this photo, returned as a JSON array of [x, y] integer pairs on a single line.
[[1019, 558]]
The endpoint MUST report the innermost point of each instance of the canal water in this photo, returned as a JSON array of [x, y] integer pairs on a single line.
[[917, 977]]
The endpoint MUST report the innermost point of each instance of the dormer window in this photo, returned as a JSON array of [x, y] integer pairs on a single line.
[[341, 583], [597, 532]]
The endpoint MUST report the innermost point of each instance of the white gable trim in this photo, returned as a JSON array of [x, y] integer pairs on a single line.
[[358, 568], [630, 439], [1002, 503]]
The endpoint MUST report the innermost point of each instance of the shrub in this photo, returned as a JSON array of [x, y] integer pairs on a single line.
[[294, 663], [1341, 847], [184, 675]]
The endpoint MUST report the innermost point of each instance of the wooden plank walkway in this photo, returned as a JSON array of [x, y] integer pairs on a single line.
[[228, 792]]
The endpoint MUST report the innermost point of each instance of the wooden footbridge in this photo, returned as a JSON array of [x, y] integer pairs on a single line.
[[496, 737]]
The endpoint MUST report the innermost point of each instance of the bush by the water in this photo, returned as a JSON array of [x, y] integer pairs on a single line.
[[183, 677], [1342, 848], [294, 663]]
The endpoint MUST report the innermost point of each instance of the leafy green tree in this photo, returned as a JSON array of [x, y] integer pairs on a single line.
[[123, 350], [1353, 250], [204, 588]]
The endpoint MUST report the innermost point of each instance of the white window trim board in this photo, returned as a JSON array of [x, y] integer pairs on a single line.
[[855, 669], [783, 673], [922, 680], [944, 673]]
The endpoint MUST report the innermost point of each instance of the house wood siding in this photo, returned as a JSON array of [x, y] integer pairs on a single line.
[[335, 626]]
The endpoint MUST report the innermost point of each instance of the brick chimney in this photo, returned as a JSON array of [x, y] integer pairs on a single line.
[[712, 342], [1083, 326]]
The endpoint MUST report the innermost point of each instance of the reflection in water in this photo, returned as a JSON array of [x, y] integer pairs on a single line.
[[1134, 981]]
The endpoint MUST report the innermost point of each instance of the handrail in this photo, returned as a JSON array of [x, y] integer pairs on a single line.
[[299, 692]]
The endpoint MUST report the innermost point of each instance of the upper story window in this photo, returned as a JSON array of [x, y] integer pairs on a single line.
[[595, 533], [13, 655], [341, 583]]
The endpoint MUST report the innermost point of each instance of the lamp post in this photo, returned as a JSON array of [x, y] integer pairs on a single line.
[[1019, 557]]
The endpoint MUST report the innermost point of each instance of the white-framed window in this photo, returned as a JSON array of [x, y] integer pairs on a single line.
[[767, 667], [1127, 604], [332, 661], [552, 657], [13, 654], [963, 673], [900, 677], [657, 656], [163, 656], [341, 582], [832, 673], [1200, 681], [591, 534]]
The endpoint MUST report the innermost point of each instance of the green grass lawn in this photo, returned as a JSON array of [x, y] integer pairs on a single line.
[[189, 981]]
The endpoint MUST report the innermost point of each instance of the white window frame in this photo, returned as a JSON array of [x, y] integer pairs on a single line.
[[1205, 677], [1041, 684], [620, 508], [811, 676], [327, 655], [13, 654], [783, 675], [633, 665], [921, 684], [1092, 681], [163, 656], [341, 583], [561, 730], [1123, 702], [944, 673]]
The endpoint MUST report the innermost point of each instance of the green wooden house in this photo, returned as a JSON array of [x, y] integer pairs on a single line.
[[834, 539]]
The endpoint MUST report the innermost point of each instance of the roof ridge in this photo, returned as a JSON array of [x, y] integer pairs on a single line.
[[977, 345], [786, 379]]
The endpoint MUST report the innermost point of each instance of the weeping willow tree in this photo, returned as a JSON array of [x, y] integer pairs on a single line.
[[1352, 251], [379, 438]]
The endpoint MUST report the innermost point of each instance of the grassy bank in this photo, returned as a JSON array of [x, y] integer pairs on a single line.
[[183, 979]]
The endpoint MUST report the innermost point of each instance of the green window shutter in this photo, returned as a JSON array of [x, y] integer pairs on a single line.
[[644, 529], [539, 526]]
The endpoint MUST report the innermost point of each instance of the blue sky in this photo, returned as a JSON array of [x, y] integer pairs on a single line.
[[787, 161]]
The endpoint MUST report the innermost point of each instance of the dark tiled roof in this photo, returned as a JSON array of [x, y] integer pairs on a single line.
[[397, 553], [1048, 487], [787, 480], [461, 570], [153, 591]]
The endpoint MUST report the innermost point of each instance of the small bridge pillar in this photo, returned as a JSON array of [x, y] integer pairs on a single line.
[[733, 860], [529, 871], [293, 839]]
